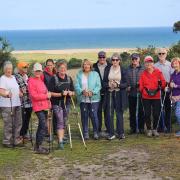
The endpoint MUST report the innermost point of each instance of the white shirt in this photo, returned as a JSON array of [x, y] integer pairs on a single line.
[[10, 84], [85, 87]]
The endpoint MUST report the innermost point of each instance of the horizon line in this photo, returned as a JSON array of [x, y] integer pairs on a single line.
[[79, 28]]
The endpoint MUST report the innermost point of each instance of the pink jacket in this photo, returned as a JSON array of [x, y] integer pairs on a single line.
[[38, 94]]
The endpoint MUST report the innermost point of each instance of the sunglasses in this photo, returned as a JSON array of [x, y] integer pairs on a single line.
[[102, 57], [161, 53], [115, 59], [134, 59], [25, 67]]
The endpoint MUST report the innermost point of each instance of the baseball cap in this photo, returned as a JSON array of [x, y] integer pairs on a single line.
[[22, 65], [135, 55], [148, 59], [37, 67], [101, 54]]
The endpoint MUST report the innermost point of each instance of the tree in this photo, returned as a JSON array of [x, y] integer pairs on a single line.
[[176, 27], [5, 53]]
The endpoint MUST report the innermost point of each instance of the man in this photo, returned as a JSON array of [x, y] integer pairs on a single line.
[[165, 67], [101, 66], [133, 74], [22, 80]]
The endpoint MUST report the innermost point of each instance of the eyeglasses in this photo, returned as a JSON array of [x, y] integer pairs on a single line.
[[161, 53], [102, 57], [25, 67], [115, 59]]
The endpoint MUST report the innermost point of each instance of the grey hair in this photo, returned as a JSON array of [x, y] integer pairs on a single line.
[[7, 64]]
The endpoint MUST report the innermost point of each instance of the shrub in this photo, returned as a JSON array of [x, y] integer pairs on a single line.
[[74, 63]]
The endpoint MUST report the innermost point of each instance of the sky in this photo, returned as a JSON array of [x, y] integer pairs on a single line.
[[68, 14]]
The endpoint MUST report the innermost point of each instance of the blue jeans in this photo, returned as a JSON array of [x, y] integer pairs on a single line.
[[177, 112], [113, 103], [89, 109], [41, 131]]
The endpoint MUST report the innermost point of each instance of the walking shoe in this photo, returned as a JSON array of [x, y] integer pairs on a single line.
[[111, 137], [41, 150], [103, 134], [177, 134], [61, 145], [86, 136], [96, 137], [155, 133], [149, 133], [122, 136]]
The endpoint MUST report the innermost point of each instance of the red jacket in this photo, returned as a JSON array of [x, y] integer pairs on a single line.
[[150, 81], [38, 94]]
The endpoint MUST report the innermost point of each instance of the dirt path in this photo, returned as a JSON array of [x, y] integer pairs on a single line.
[[125, 164]]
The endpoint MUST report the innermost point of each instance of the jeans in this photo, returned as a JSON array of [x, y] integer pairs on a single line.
[[41, 131], [132, 113], [113, 103], [89, 109], [177, 112], [154, 106], [26, 115]]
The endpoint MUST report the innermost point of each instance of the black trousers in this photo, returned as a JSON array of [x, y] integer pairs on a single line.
[[151, 107], [132, 113], [26, 116]]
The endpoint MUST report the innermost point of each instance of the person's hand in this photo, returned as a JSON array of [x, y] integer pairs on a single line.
[[65, 93], [8, 94], [20, 94], [85, 93], [110, 84], [166, 89], [173, 85], [115, 84], [49, 95], [90, 93], [129, 88], [70, 93]]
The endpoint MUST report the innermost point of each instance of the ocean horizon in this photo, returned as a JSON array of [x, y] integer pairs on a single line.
[[90, 38]]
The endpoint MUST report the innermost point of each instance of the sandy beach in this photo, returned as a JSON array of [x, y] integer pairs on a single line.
[[73, 51]]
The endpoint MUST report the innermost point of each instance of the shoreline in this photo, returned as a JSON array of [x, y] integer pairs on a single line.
[[73, 51]]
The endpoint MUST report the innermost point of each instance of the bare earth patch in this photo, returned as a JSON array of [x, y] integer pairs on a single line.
[[125, 164]]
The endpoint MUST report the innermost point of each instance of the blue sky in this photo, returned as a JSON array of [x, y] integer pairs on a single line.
[[60, 14]]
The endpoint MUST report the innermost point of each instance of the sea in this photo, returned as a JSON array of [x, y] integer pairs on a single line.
[[90, 38]]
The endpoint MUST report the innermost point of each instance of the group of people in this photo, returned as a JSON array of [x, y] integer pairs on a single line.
[[101, 89]]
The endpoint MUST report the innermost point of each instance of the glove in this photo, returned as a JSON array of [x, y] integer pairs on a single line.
[[166, 89], [159, 83]]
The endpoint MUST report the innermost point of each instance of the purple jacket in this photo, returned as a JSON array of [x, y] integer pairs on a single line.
[[175, 77]]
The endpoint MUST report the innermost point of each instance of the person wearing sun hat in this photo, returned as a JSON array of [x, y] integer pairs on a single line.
[[133, 74], [149, 85], [40, 98], [165, 67], [22, 80]]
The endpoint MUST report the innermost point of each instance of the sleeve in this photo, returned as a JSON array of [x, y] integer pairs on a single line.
[[123, 83], [34, 93], [2, 84], [97, 88], [77, 86], [52, 85], [71, 85], [141, 85]]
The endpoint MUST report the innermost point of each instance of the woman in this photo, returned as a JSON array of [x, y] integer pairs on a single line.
[[88, 87], [61, 87], [10, 107], [175, 86], [115, 84], [150, 84], [41, 104]]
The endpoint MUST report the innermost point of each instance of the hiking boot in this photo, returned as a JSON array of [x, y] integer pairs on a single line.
[[155, 133], [122, 136], [177, 134], [111, 137], [41, 150], [149, 133], [61, 145], [96, 137], [86, 136]]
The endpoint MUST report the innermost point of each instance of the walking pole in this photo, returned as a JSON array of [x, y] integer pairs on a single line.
[[79, 124], [137, 113], [170, 120], [162, 110], [12, 121]]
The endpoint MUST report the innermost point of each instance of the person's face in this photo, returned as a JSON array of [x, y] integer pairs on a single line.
[[102, 60], [87, 67], [37, 74], [24, 70], [62, 69], [8, 71], [162, 55], [176, 65], [149, 65], [135, 61], [50, 66], [115, 61]]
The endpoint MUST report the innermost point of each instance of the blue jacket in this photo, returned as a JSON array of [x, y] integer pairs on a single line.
[[94, 85]]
